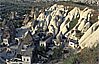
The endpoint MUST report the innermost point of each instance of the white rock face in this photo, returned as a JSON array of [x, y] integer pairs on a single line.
[[81, 26], [51, 29], [86, 27], [48, 19], [85, 14], [64, 30], [73, 13], [53, 7], [41, 17], [89, 32], [91, 41], [56, 20], [65, 13], [64, 22]]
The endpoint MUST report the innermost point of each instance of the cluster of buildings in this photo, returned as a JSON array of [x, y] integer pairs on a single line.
[[47, 28], [20, 45]]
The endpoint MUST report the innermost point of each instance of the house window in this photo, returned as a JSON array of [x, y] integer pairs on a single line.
[[43, 44], [40, 57], [27, 59], [71, 44], [24, 59], [6, 35], [57, 43]]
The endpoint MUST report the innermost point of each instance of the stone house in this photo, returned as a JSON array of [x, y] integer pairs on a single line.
[[6, 41], [73, 43], [26, 58], [45, 41]]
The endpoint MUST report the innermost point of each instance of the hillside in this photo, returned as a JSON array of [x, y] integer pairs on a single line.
[[86, 56], [61, 32]]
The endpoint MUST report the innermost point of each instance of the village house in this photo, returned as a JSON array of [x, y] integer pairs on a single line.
[[73, 43], [60, 39], [36, 38], [45, 41], [6, 41], [25, 58]]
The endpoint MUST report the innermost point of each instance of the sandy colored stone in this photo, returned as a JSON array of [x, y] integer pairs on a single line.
[[81, 26], [86, 27], [91, 41], [89, 32]]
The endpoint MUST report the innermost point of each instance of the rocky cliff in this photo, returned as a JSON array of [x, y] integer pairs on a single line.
[[58, 19]]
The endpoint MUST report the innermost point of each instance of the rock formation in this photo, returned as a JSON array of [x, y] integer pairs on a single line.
[[57, 19], [8, 30], [91, 40], [32, 12], [88, 34], [26, 19], [81, 26], [86, 27]]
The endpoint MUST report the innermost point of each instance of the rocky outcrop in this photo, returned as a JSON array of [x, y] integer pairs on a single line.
[[81, 26], [88, 34], [91, 40], [74, 13], [26, 19], [8, 30], [12, 15], [58, 20], [4, 22], [85, 14], [86, 27], [32, 12]]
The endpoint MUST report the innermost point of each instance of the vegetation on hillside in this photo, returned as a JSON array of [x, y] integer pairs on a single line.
[[86, 56], [73, 23], [80, 5], [22, 7]]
